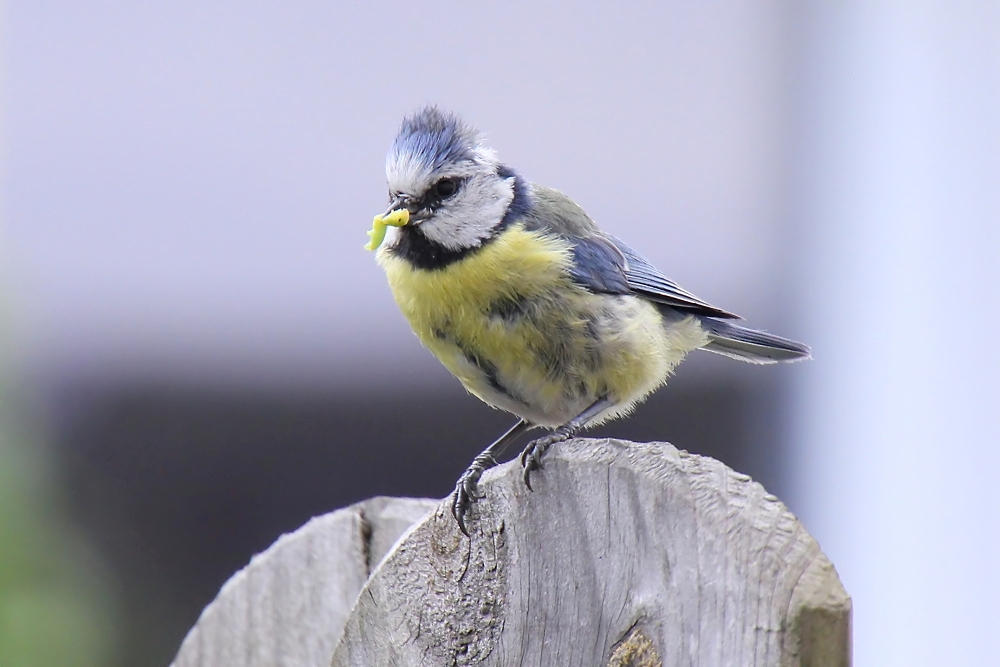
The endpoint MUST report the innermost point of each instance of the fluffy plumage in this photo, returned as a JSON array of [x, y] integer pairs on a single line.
[[521, 334], [526, 301]]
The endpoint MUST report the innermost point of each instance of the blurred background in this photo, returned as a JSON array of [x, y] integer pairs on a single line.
[[198, 355]]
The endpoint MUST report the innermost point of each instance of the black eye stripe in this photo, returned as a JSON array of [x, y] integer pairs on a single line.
[[444, 189], [440, 191]]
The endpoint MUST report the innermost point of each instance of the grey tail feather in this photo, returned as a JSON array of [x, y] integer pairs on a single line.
[[756, 347]]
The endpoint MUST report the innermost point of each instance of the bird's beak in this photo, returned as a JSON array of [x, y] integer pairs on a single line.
[[398, 202], [397, 215]]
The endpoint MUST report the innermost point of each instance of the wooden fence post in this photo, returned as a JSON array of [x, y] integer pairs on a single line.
[[625, 555], [289, 605]]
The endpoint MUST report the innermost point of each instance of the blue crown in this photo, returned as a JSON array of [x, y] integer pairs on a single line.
[[435, 138]]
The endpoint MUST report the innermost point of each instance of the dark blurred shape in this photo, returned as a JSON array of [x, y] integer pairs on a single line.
[[179, 487]]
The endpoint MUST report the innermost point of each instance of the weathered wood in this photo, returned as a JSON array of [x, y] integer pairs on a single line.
[[625, 554], [287, 607]]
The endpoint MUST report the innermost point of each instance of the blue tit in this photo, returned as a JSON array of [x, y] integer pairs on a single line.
[[526, 301]]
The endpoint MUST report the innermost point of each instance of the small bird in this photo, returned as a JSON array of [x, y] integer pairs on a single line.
[[526, 301]]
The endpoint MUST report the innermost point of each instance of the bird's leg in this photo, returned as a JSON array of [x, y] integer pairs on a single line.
[[465, 490], [531, 457]]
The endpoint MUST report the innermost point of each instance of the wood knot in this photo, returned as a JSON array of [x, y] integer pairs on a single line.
[[635, 651]]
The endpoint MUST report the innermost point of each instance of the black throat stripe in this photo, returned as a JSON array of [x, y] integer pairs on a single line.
[[422, 253], [425, 254]]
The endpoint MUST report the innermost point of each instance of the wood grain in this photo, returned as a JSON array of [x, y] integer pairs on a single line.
[[626, 555], [287, 608], [692, 562]]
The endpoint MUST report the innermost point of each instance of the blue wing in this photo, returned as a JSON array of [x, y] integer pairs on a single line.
[[606, 265]]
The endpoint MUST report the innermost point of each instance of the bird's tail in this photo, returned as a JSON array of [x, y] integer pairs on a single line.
[[750, 345]]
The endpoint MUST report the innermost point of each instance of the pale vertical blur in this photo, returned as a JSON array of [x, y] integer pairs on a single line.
[[898, 268]]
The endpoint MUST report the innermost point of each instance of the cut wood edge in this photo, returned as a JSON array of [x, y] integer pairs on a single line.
[[288, 606], [439, 598], [821, 628]]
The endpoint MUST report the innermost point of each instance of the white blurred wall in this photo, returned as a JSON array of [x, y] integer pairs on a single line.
[[898, 270], [189, 183]]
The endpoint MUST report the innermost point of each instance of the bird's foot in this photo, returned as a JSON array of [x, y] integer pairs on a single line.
[[531, 457], [466, 490]]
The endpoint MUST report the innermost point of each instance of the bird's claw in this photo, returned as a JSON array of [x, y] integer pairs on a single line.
[[531, 457], [466, 490], [462, 498]]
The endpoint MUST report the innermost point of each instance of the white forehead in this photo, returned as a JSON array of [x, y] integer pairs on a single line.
[[411, 172]]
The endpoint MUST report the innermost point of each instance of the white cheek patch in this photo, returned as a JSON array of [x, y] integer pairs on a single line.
[[469, 219]]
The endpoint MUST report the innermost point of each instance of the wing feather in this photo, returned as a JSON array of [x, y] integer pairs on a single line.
[[644, 279], [604, 264]]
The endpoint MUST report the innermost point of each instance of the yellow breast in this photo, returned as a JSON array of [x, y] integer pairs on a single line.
[[518, 263], [453, 309], [510, 323]]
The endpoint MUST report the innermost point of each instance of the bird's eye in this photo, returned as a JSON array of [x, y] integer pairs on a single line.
[[445, 188]]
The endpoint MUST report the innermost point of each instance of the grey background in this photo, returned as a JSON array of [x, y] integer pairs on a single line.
[[214, 357]]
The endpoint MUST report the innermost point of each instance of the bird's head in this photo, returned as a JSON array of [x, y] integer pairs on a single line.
[[452, 188]]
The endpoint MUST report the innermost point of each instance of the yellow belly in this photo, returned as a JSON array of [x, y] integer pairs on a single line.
[[511, 325]]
